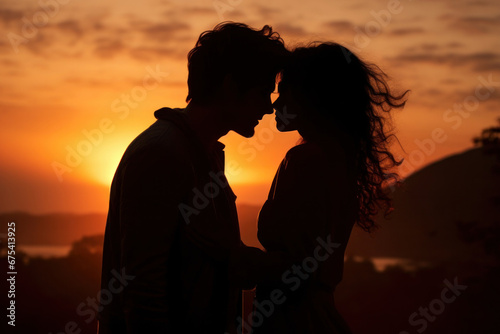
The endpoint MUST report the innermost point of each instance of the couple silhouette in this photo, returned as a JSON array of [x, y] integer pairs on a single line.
[[172, 224]]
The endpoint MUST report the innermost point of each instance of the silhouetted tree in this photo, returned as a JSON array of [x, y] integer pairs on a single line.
[[488, 236], [489, 136], [87, 246], [489, 140]]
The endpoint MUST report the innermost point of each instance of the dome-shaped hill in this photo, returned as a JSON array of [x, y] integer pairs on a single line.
[[463, 188]]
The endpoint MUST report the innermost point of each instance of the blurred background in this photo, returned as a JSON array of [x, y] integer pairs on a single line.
[[80, 80]]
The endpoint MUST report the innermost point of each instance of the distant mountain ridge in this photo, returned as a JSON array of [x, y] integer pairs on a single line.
[[65, 228], [54, 229]]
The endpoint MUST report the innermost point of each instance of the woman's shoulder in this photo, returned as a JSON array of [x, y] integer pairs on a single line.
[[306, 158], [305, 150], [314, 152], [316, 159]]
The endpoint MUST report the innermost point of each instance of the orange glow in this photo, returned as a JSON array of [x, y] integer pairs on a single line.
[[100, 167]]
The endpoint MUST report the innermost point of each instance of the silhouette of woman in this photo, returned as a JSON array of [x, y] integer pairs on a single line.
[[332, 180]]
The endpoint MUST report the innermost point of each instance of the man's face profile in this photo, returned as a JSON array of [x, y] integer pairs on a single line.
[[249, 108]]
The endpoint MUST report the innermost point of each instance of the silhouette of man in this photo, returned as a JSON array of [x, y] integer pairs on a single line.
[[172, 227]]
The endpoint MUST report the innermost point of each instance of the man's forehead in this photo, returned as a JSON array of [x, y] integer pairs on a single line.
[[281, 85], [269, 84]]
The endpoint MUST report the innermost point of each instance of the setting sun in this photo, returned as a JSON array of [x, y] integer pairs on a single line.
[[101, 165]]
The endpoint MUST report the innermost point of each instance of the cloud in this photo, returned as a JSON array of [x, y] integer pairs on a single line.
[[480, 61], [472, 4], [266, 13], [157, 54], [491, 66], [74, 37], [88, 82], [478, 3], [9, 63], [51, 39], [140, 40], [407, 31], [491, 104], [155, 40], [209, 11], [70, 26], [162, 32], [454, 45], [8, 16], [474, 25], [340, 26], [41, 45], [450, 81], [427, 47], [290, 30], [106, 47], [4, 45], [432, 94]]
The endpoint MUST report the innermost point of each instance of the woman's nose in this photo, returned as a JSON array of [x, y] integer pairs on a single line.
[[277, 104]]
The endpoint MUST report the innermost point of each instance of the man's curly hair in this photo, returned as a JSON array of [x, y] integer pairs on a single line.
[[249, 56]]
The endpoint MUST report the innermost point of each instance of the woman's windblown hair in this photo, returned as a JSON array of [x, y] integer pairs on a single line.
[[341, 91]]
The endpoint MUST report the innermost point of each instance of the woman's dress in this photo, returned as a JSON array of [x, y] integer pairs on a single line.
[[309, 215]]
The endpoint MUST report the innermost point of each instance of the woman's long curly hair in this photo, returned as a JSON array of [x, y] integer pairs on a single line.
[[340, 90]]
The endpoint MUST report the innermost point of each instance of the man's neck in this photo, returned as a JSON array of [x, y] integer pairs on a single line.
[[206, 123]]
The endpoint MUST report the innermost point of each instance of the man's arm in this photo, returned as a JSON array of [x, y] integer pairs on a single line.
[[249, 266]]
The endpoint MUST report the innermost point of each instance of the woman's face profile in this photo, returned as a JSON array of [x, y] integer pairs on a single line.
[[287, 110]]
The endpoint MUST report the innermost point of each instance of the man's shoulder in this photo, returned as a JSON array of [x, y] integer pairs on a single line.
[[163, 133], [162, 139]]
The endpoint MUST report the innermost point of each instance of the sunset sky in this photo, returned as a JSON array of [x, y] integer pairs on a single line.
[[80, 79]]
